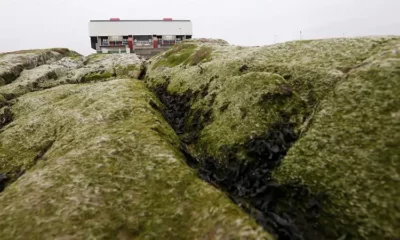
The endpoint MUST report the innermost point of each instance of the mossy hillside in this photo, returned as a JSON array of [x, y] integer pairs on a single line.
[[311, 74], [110, 168], [310, 70], [351, 151]]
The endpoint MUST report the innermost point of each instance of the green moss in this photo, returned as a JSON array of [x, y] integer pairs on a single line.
[[62, 51], [21, 52], [94, 57], [176, 56], [201, 55], [341, 96], [113, 170], [351, 151], [127, 71], [246, 106], [3, 101], [74, 55], [310, 71], [97, 76], [184, 53]]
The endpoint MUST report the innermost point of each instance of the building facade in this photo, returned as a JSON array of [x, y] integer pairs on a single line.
[[144, 37]]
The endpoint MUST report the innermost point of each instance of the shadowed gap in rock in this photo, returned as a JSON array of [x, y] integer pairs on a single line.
[[249, 183]]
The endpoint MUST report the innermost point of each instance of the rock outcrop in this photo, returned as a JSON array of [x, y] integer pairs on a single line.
[[305, 132], [97, 160], [206, 141]]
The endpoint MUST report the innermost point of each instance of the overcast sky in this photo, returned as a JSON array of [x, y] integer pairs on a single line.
[[27, 24]]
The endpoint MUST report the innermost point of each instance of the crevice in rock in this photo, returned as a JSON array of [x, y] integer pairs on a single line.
[[43, 151], [289, 211], [3, 181], [143, 71], [6, 179], [12, 75], [6, 117]]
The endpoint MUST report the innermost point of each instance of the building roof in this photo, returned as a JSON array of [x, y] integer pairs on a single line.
[[140, 20], [140, 27]]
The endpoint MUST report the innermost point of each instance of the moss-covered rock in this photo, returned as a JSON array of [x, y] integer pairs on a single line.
[[177, 55], [338, 96], [72, 68], [13, 63], [351, 151], [303, 136], [237, 80], [98, 161]]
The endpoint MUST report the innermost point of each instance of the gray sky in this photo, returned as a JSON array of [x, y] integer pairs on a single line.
[[28, 24]]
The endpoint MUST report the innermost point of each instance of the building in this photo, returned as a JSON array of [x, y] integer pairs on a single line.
[[144, 37]]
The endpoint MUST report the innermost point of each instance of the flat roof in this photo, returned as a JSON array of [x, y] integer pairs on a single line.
[[139, 27], [139, 20]]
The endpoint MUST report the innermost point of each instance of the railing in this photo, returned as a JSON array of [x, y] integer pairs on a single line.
[[143, 43]]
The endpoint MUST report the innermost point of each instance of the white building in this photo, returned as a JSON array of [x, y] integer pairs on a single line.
[[146, 37]]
